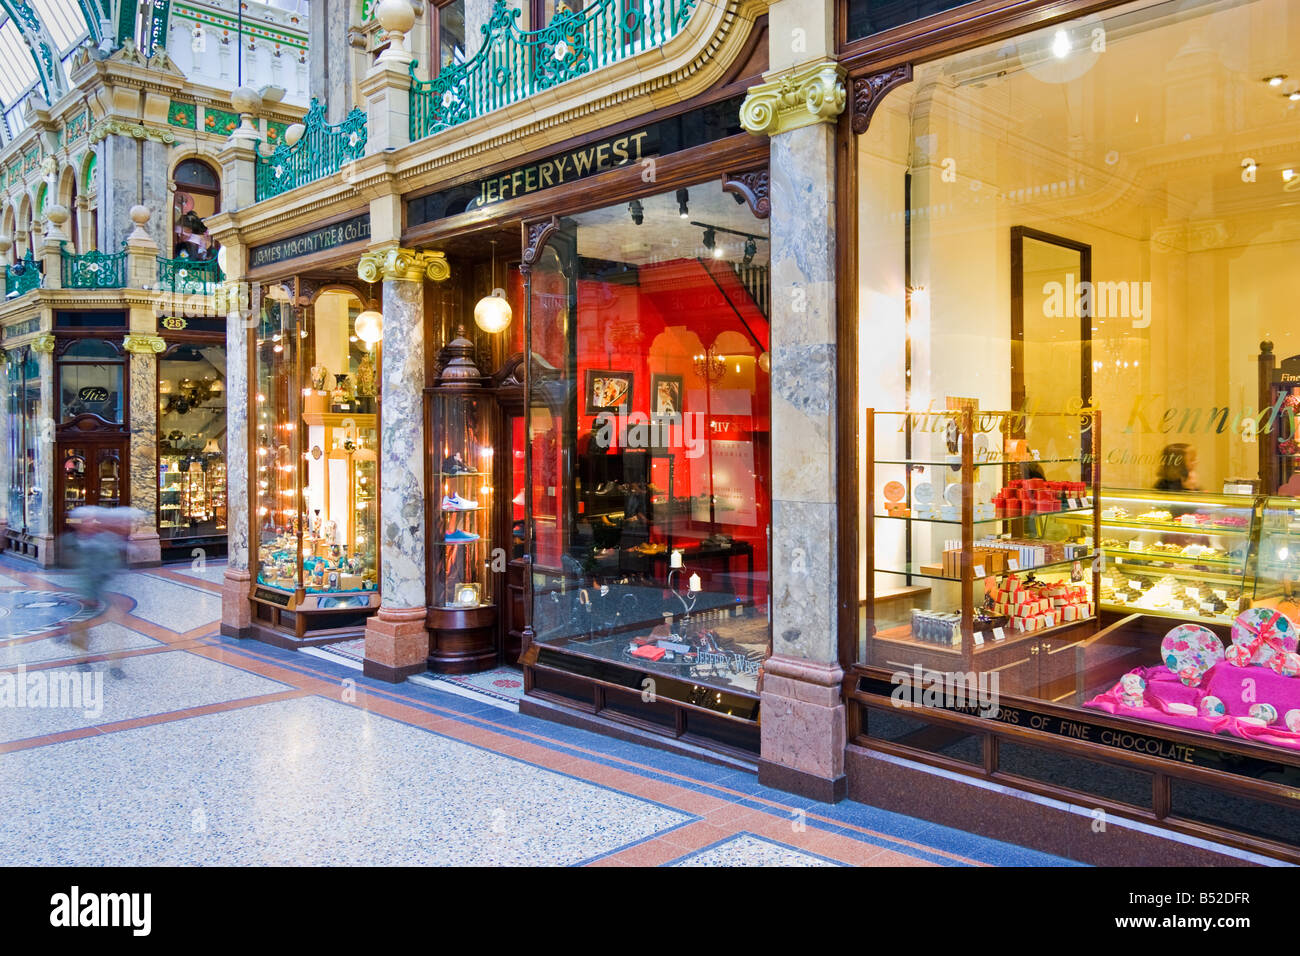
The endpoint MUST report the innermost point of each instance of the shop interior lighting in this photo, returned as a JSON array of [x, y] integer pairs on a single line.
[[637, 211], [683, 197]]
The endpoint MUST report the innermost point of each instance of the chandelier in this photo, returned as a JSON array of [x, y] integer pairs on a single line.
[[710, 367]]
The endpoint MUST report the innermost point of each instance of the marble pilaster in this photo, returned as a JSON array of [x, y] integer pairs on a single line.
[[397, 644], [803, 729], [236, 613], [40, 523], [142, 455]]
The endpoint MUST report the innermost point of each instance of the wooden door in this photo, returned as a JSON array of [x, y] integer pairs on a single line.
[[90, 473]]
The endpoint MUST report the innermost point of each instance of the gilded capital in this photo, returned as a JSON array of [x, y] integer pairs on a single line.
[[142, 344], [408, 264], [43, 342], [794, 98]]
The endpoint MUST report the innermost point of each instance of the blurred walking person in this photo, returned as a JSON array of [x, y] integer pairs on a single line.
[[95, 551]]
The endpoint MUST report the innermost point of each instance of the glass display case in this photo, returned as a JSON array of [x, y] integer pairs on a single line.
[[316, 460], [980, 545], [1177, 554], [1278, 556], [460, 421]]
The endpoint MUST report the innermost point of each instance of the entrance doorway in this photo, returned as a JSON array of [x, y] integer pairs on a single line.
[[89, 473]]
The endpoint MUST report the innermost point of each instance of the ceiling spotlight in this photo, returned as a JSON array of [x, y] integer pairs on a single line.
[[1275, 80], [1293, 95], [683, 197], [718, 252], [1288, 175], [710, 237], [751, 249], [637, 211]]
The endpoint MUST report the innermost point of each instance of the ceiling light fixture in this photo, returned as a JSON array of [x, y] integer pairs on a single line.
[[1275, 80], [683, 197], [751, 250], [492, 314], [637, 211]]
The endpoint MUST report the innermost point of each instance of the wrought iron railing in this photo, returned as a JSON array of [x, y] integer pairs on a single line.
[[94, 270], [186, 276], [322, 150], [23, 276], [513, 64]]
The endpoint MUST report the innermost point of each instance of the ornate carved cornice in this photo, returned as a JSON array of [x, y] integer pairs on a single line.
[[142, 344], [868, 91], [753, 187], [408, 264], [795, 98], [536, 234], [43, 343], [105, 128]]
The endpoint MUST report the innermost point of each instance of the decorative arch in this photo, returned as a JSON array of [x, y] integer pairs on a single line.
[[23, 226], [7, 229], [66, 195], [88, 165]]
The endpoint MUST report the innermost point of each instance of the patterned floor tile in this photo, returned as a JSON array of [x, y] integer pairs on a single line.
[[105, 638], [169, 604], [152, 684], [305, 781], [745, 849]]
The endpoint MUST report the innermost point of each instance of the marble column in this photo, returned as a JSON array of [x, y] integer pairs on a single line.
[[236, 612], [40, 524], [803, 730], [143, 548], [397, 643]]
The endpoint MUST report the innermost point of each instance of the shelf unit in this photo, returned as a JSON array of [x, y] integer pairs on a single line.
[[951, 462]]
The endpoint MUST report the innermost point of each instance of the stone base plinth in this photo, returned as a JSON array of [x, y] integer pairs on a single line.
[[236, 612], [397, 644], [803, 732]]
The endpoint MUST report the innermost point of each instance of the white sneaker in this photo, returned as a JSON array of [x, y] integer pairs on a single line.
[[457, 503]]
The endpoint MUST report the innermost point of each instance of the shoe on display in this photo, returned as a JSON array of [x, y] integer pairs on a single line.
[[457, 503], [460, 537], [453, 465]]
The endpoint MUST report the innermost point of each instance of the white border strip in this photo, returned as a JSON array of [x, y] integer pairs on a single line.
[[424, 680]]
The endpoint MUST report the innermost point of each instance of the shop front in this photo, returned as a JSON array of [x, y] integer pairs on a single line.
[[313, 413], [632, 582], [1075, 499]]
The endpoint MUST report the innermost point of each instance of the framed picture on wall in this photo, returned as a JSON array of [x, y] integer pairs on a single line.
[[607, 390], [665, 394]]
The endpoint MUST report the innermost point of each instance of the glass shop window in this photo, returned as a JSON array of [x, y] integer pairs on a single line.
[[90, 381], [1080, 470], [449, 35], [650, 420], [315, 413], [192, 441]]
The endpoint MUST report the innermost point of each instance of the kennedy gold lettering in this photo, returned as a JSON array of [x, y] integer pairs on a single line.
[[1139, 415]]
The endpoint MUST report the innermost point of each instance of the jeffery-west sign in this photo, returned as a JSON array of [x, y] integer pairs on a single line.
[[318, 240]]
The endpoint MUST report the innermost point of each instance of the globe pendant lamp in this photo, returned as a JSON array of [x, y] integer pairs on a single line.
[[369, 326], [492, 314]]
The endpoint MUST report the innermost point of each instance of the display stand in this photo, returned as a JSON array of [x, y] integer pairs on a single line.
[[460, 418]]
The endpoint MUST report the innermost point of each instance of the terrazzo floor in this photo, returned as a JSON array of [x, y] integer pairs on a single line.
[[206, 750]]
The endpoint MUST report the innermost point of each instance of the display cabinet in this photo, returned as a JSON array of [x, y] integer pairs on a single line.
[[981, 548], [191, 496], [461, 423], [1277, 566], [1171, 554], [316, 476]]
